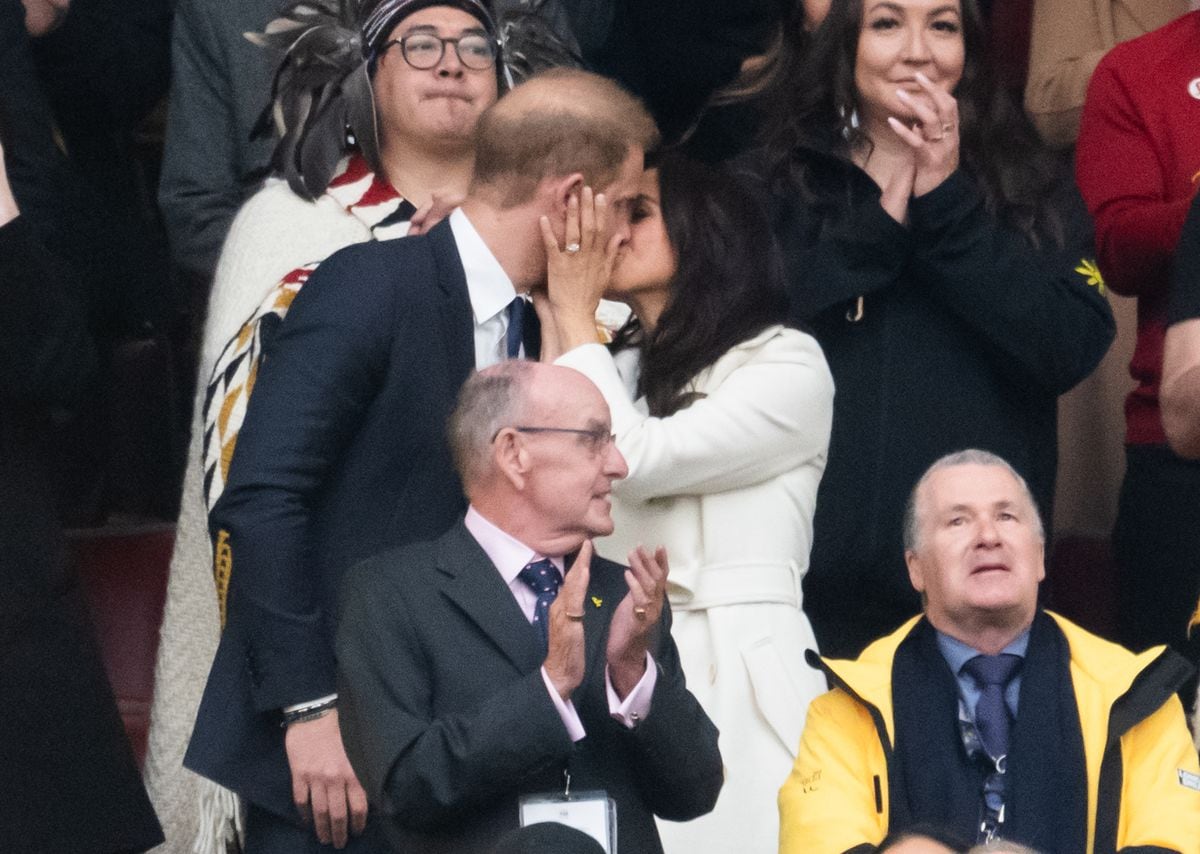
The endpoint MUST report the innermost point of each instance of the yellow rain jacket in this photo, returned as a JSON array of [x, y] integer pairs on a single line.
[[836, 797]]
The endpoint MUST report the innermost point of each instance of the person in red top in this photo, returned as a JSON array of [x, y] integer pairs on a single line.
[[1138, 163]]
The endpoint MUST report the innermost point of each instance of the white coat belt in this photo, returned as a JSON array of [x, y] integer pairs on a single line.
[[740, 583]]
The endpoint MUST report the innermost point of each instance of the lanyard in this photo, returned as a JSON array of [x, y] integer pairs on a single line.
[[992, 797]]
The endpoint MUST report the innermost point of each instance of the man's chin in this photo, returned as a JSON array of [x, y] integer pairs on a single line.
[[455, 126], [601, 529]]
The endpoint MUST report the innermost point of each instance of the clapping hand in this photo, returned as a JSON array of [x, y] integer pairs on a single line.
[[565, 659], [933, 136], [636, 620]]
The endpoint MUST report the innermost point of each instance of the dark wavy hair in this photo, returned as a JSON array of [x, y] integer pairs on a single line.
[[999, 148], [727, 288]]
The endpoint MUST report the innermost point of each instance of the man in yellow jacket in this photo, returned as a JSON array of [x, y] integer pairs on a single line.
[[989, 717]]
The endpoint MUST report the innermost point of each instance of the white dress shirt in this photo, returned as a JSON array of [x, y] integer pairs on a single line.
[[488, 287]]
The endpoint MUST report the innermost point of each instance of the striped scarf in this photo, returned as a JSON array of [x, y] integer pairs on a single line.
[[373, 201]]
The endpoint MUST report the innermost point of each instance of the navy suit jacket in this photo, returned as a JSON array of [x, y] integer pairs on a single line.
[[447, 720], [342, 454]]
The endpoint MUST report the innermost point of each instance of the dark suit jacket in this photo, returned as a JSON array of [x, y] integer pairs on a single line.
[[219, 87], [447, 719], [342, 455]]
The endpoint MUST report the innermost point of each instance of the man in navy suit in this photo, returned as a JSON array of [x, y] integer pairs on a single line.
[[475, 669], [342, 453]]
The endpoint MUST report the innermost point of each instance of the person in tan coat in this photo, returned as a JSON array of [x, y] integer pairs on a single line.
[[1068, 39]]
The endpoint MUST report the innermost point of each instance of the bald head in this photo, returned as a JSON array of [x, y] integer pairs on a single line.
[[558, 123], [533, 444], [509, 394], [489, 400]]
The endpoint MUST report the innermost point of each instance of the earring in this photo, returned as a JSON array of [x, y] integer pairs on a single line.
[[849, 118]]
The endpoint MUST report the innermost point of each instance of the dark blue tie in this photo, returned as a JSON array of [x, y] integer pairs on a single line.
[[542, 576], [516, 327], [992, 674]]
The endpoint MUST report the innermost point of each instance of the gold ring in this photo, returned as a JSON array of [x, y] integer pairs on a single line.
[[937, 138], [640, 613], [947, 127], [571, 248], [575, 618]]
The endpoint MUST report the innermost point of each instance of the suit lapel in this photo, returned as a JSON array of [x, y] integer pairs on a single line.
[[472, 583], [597, 611], [457, 331]]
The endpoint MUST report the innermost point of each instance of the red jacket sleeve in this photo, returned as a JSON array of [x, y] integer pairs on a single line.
[[1123, 180]]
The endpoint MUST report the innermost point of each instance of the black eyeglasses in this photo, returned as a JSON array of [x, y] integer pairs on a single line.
[[598, 439], [425, 50]]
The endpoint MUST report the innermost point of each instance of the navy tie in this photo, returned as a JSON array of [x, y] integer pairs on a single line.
[[542, 576], [516, 327], [992, 674]]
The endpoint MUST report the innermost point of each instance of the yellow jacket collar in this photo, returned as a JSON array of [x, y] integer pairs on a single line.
[[1109, 668]]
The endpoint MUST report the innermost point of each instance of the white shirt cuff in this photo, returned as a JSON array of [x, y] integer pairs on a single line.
[[636, 704], [566, 710], [298, 706]]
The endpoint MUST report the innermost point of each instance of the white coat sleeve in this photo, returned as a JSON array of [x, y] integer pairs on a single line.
[[766, 416]]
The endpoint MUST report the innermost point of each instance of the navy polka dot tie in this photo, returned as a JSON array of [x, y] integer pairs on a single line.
[[992, 674], [543, 578]]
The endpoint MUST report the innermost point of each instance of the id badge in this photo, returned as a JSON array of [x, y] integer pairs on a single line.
[[594, 813]]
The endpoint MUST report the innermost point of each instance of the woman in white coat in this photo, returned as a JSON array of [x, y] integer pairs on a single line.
[[723, 415]]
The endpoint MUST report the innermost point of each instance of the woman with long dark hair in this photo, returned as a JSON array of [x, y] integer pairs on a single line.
[[723, 414], [922, 245]]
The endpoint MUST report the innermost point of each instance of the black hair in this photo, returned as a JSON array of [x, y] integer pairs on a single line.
[[728, 285], [547, 837], [999, 149]]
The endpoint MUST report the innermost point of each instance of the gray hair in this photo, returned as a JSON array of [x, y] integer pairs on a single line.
[[1002, 846], [489, 401], [969, 457]]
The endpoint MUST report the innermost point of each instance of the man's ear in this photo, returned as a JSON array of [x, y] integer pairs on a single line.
[[510, 457], [563, 189], [916, 572]]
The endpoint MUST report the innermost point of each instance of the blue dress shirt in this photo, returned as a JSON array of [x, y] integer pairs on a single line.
[[958, 653]]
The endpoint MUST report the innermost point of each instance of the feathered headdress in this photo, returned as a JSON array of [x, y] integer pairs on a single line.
[[321, 89], [322, 103], [535, 35]]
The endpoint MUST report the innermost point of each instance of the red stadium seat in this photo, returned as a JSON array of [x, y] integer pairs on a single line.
[[124, 574]]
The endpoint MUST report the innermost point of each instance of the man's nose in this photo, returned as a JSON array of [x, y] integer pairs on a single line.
[[987, 533], [614, 463], [449, 65]]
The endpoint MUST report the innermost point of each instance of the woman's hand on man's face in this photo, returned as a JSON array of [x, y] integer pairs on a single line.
[[578, 272]]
